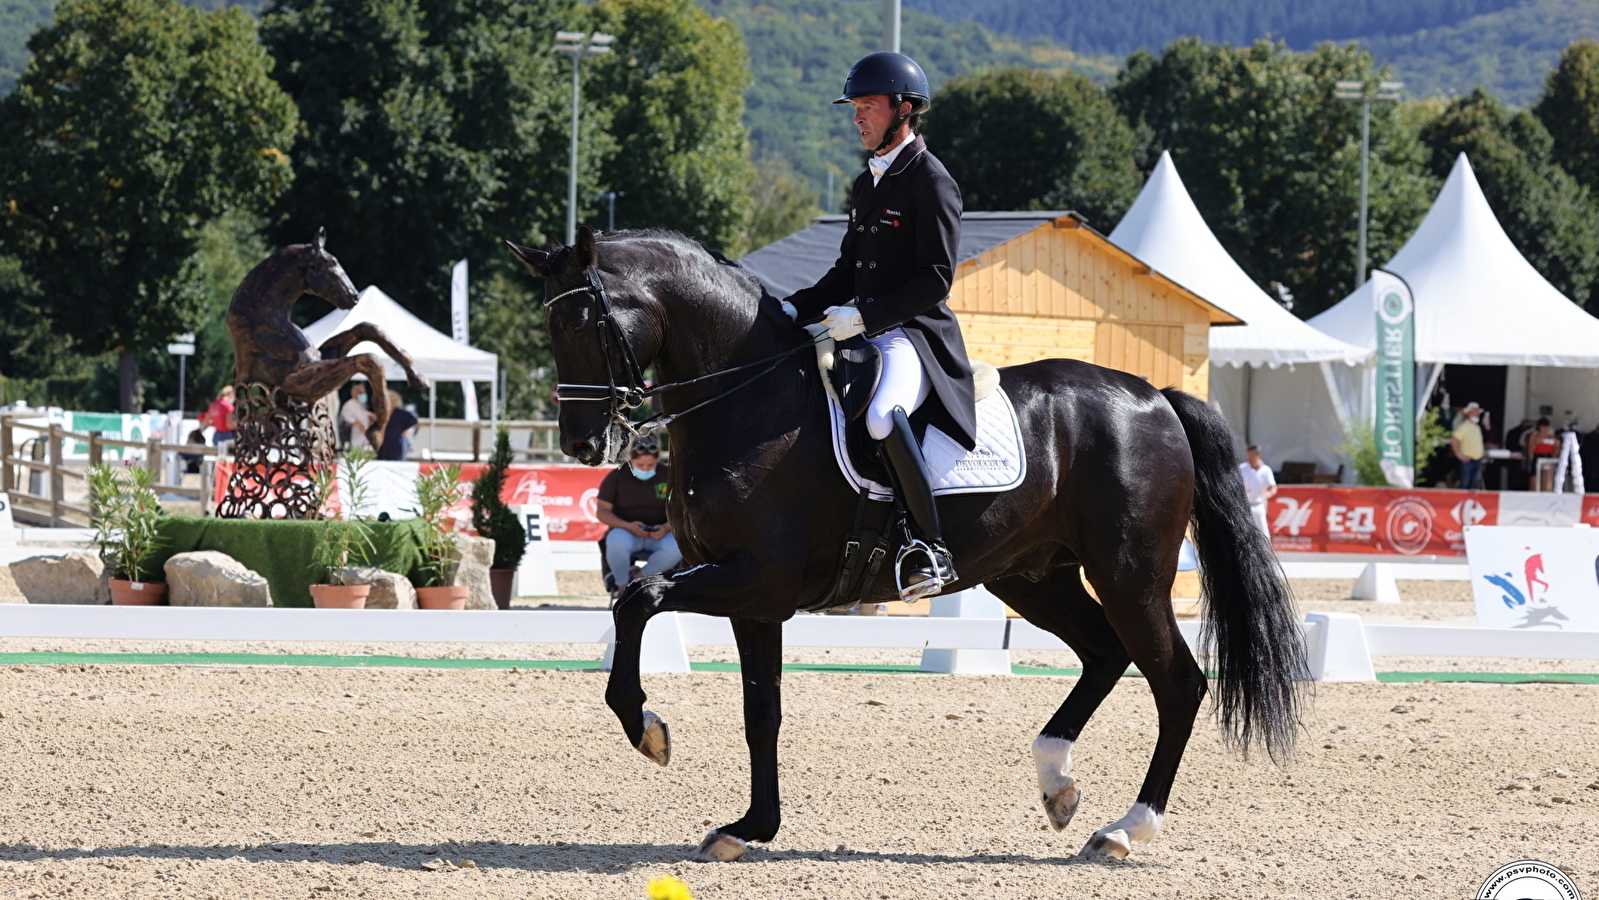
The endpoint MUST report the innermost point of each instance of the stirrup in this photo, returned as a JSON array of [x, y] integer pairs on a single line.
[[929, 587]]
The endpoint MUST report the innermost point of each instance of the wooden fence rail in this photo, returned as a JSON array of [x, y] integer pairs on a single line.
[[49, 505]]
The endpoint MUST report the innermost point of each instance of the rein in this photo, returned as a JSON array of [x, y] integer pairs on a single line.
[[632, 395]]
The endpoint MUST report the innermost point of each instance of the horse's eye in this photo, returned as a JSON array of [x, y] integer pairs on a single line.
[[578, 323]]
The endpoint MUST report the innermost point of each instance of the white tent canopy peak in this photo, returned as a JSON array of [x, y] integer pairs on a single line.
[[433, 353], [1165, 229], [1478, 300]]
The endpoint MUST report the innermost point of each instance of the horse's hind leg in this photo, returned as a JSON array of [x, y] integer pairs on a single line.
[[1060, 605], [1137, 604]]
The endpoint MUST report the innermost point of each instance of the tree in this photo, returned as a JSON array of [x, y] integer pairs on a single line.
[[1027, 139], [432, 129], [1549, 216], [1569, 109], [673, 90], [1272, 159], [136, 122], [781, 203]]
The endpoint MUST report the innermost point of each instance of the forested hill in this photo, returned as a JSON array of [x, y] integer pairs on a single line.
[[800, 51], [1439, 47], [1122, 26]]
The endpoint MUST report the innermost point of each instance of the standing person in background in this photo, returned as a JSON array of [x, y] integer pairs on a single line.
[[221, 416], [1466, 443], [1260, 484], [397, 434], [1542, 443], [356, 417]]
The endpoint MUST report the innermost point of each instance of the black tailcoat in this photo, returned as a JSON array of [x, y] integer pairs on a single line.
[[898, 259]]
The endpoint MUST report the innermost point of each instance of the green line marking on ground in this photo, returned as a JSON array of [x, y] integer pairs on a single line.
[[1490, 677], [593, 665]]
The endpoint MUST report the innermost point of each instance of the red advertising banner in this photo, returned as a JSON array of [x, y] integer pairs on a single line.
[[567, 492], [1331, 519]]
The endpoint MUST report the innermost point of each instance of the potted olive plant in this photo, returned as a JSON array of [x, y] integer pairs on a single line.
[[492, 519], [436, 492], [127, 518], [345, 537]]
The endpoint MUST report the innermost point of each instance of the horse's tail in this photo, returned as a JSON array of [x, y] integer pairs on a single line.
[[1256, 646]]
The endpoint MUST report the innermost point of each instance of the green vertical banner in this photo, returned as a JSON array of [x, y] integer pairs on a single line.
[[1395, 427]]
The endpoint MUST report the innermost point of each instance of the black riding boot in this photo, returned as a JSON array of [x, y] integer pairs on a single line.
[[914, 483]]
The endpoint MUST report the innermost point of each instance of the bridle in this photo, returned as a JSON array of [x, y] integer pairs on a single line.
[[630, 395]]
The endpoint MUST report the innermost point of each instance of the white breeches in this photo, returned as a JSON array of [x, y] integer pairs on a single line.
[[903, 384]]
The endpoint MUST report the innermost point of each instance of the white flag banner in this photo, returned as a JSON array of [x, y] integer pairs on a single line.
[[459, 324], [460, 328]]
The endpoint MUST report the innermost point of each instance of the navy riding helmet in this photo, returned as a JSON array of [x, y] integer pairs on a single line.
[[893, 74]]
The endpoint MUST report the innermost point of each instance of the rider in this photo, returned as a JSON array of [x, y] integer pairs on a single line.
[[890, 282]]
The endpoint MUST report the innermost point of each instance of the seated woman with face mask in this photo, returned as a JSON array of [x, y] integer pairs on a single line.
[[632, 501]]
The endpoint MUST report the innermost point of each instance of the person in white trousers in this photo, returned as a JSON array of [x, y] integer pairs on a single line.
[[1259, 484]]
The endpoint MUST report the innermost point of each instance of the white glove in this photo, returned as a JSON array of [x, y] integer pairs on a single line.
[[790, 311], [843, 322]]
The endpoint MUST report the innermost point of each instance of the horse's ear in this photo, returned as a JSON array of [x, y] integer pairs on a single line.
[[536, 261], [321, 237], [584, 251]]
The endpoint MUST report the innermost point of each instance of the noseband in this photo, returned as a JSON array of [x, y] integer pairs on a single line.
[[631, 394]]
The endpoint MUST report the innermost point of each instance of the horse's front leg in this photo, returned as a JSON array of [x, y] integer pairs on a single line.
[[760, 657], [339, 346], [732, 587]]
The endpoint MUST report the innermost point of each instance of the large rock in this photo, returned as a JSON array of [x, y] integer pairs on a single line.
[[75, 577], [212, 578], [476, 555], [389, 590]]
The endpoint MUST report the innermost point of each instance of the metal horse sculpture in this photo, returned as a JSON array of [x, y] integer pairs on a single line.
[[284, 428], [1117, 471]]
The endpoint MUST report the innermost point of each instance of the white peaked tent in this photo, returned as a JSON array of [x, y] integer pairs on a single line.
[[433, 353], [1275, 377], [1479, 302]]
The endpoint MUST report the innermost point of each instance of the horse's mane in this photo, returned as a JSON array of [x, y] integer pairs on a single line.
[[692, 267]]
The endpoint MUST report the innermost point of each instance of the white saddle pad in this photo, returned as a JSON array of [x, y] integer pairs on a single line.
[[996, 464]]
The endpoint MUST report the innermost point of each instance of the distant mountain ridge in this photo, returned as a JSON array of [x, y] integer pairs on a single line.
[[1122, 26]]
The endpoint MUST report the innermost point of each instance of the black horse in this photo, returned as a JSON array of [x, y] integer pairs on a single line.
[[1117, 471]]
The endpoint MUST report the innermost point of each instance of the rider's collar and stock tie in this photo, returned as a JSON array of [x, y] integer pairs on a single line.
[[633, 394]]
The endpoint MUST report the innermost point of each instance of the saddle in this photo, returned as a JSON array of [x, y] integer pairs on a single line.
[[851, 371], [857, 370]]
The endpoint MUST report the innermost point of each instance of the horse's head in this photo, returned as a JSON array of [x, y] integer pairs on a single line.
[[587, 354], [324, 277]]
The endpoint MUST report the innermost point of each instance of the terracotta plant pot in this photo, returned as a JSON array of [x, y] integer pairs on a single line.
[[137, 593], [500, 583], [453, 597], [340, 596]]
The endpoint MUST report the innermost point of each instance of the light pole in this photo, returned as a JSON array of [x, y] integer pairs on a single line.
[[1362, 93], [610, 199], [577, 44], [891, 25]]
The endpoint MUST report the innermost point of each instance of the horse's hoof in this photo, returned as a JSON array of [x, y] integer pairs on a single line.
[[1062, 804], [657, 742], [1108, 845], [416, 381], [719, 847]]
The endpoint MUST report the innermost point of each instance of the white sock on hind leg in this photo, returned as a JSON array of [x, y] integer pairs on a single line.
[[1141, 824]]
